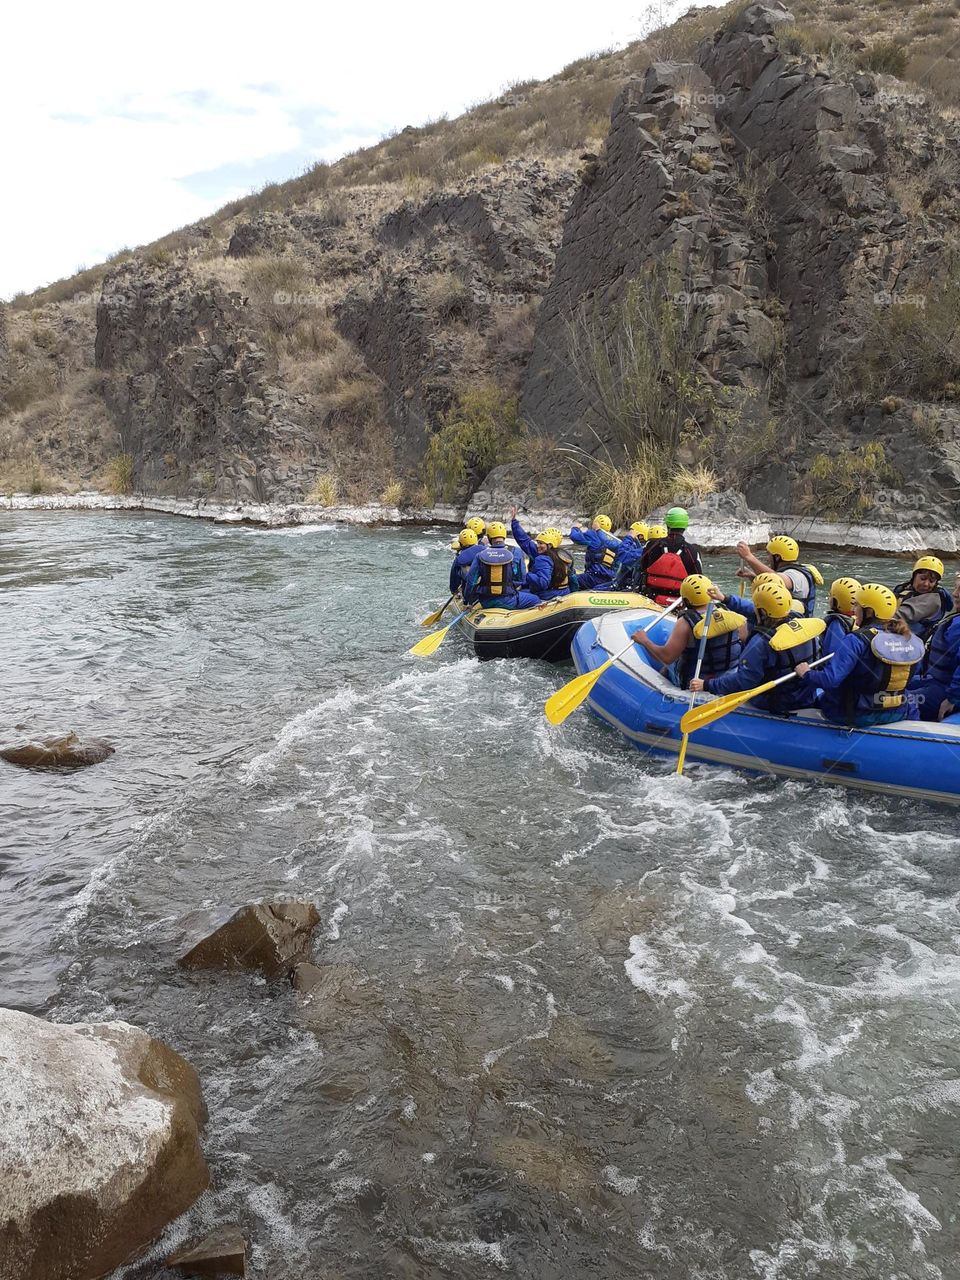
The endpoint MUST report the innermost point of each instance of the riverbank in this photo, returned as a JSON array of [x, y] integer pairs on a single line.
[[711, 529]]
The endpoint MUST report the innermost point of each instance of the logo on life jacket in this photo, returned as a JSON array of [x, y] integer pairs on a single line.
[[496, 575], [899, 655]]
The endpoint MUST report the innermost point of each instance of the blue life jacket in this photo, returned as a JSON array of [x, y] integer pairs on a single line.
[[460, 569], [809, 605], [943, 651], [720, 652], [877, 683], [629, 552], [925, 627], [494, 575], [781, 662]]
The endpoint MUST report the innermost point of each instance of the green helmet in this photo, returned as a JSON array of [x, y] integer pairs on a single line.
[[677, 518]]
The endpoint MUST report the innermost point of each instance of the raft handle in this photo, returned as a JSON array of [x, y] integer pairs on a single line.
[[840, 766]]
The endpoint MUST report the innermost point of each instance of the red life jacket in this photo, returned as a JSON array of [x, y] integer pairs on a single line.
[[665, 576]]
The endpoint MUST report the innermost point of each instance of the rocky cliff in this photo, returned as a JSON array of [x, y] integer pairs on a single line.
[[730, 254]]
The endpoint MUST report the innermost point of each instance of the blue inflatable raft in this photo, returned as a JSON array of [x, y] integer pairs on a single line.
[[913, 759]]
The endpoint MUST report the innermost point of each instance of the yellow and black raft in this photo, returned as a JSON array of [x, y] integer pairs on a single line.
[[546, 631]]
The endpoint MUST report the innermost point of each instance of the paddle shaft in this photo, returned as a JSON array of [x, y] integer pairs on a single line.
[[438, 613], [707, 617], [626, 649]]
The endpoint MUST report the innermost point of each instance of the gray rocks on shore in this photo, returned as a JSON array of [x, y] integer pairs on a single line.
[[266, 937], [99, 1145]]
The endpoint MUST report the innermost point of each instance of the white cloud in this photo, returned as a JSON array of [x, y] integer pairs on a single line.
[[116, 106]]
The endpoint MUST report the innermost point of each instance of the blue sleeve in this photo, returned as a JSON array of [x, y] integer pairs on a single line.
[[740, 604], [750, 671], [953, 692], [455, 575], [523, 539], [581, 536], [539, 575], [833, 673], [471, 579]]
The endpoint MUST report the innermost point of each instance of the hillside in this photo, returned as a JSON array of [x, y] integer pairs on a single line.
[[726, 257]]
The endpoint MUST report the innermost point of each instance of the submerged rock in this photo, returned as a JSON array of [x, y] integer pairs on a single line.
[[67, 752], [221, 1253], [99, 1145], [269, 937]]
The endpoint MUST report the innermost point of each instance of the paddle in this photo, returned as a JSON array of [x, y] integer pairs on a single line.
[[699, 717], [696, 675], [566, 700], [438, 614], [431, 643]]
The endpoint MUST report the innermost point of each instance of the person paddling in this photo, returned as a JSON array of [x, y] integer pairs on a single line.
[[722, 649], [864, 683], [923, 602], [801, 580], [602, 547], [548, 573]]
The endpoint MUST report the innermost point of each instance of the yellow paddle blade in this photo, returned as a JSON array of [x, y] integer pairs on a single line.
[[429, 644], [432, 618], [566, 700], [699, 717], [797, 631]]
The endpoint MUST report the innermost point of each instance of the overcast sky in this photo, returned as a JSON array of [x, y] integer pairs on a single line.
[[124, 121]]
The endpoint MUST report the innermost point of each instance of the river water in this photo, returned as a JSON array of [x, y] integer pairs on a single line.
[[596, 1021]]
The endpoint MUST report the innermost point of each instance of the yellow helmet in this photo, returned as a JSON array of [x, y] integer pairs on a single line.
[[931, 564], [656, 531], [695, 589], [496, 530], [639, 529], [477, 525], [767, 576], [880, 600], [843, 593], [468, 538], [552, 537], [783, 547], [773, 599], [603, 522]]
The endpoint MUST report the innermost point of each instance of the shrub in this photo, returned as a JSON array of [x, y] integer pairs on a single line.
[[481, 430], [392, 495], [119, 474], [885, 56], [640, 364], [845, 483], [280, 288], [807, 37], [447, 296], [325, 490], [908, 348]]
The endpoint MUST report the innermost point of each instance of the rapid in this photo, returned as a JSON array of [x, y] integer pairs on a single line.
[[596, 1020]]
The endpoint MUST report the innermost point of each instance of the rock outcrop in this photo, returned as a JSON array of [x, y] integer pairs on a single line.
[[68, 752], [221, 1253], [99, 1145], [269, 937]]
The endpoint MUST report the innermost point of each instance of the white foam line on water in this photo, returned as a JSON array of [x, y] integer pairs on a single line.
[[448, 1252]]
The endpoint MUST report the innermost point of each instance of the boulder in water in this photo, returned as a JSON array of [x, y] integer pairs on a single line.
[[99, 1145], [269, 937], [67, 752], [221, 1253]]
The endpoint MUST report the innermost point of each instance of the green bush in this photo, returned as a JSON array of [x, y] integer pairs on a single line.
[[911, 347], [481, 431], [845, 483], [119, 474], [887, 56]]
